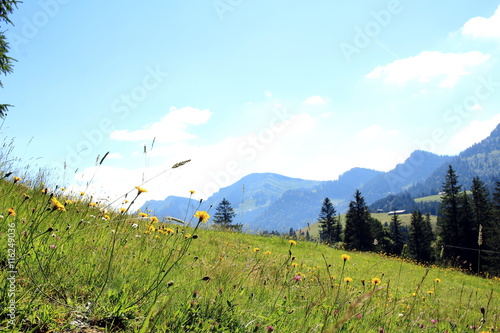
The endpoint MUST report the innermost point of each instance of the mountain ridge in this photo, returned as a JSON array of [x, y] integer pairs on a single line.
[[273, 202]]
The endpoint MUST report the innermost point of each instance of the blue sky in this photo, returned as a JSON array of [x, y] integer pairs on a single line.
[[304, 89]]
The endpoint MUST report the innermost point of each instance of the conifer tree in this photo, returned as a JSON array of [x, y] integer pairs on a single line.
[[224, 215], [395, 235], [484, 226], [6, 67], [420, 237], [328, 223], [448, 223], [358, 231]]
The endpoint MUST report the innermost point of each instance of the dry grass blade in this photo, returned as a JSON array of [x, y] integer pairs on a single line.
[[351, 310]]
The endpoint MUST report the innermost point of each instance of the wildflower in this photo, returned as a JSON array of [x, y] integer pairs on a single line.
[[292, 242], [16, 179], [297, 278], [269, 328], [267, 252], [202, 216], [45, 191], [26, 197], [381, 330], [153, 219], [347, 279], [63, 189], [82, 194], [192, 192], [123, 210], [345, 257], [433, 321], [376, 281], [140, 190], [430, 292], [143, 214], [56, 205], [106, 217], [256, 249], [135, 225], [294, 264], [152, 228], [52, 246], [169, 231], [437, 280], [93, 204], [68, 202]]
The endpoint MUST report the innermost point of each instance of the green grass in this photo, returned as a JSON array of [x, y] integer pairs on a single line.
[[436, 197], [110, 271]]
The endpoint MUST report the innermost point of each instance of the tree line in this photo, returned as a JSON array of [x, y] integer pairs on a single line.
[[466, 235]]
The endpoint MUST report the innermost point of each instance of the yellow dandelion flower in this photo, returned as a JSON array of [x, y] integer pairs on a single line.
[[63, 189], [107, 217], [347, 279], [169, 231], [437, 280], [152, 228], [256, 249], [123, 210], [345, 257], [376, 281], [16, 179], [192, 192], [56, 205], [82, 194], [68, 202], [140, 190], [267, 252], [294, 264], [292, 242], [202, 216], [11, 212], [126, 201], [430, 292], [93, 204], [143, 214], [153, 219], [26, 197]]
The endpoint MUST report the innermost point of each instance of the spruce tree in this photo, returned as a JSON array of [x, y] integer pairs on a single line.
[[420, 237], [448, 223], [224, 215], [467, 234], [482, 214], [328, 225], [492, 236], [358, 231], [6, 62], [395, 235]]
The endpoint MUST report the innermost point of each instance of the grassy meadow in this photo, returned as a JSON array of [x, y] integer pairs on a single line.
[[74, 265]]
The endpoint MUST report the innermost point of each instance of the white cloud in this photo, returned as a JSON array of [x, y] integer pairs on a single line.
[[473, 133], [315, 100], [115, 156], [448, 68], [376, 132], [480, 27], [171, 128]]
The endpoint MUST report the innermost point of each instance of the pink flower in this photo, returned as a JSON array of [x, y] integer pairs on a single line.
[[52, 246], [269, 328], [433, 321], [297, 277]]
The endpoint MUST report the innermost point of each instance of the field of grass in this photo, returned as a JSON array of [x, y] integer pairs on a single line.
[[436, 197], [72, 265]]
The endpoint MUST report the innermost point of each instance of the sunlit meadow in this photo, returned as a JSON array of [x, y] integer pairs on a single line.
[[83, 267]]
